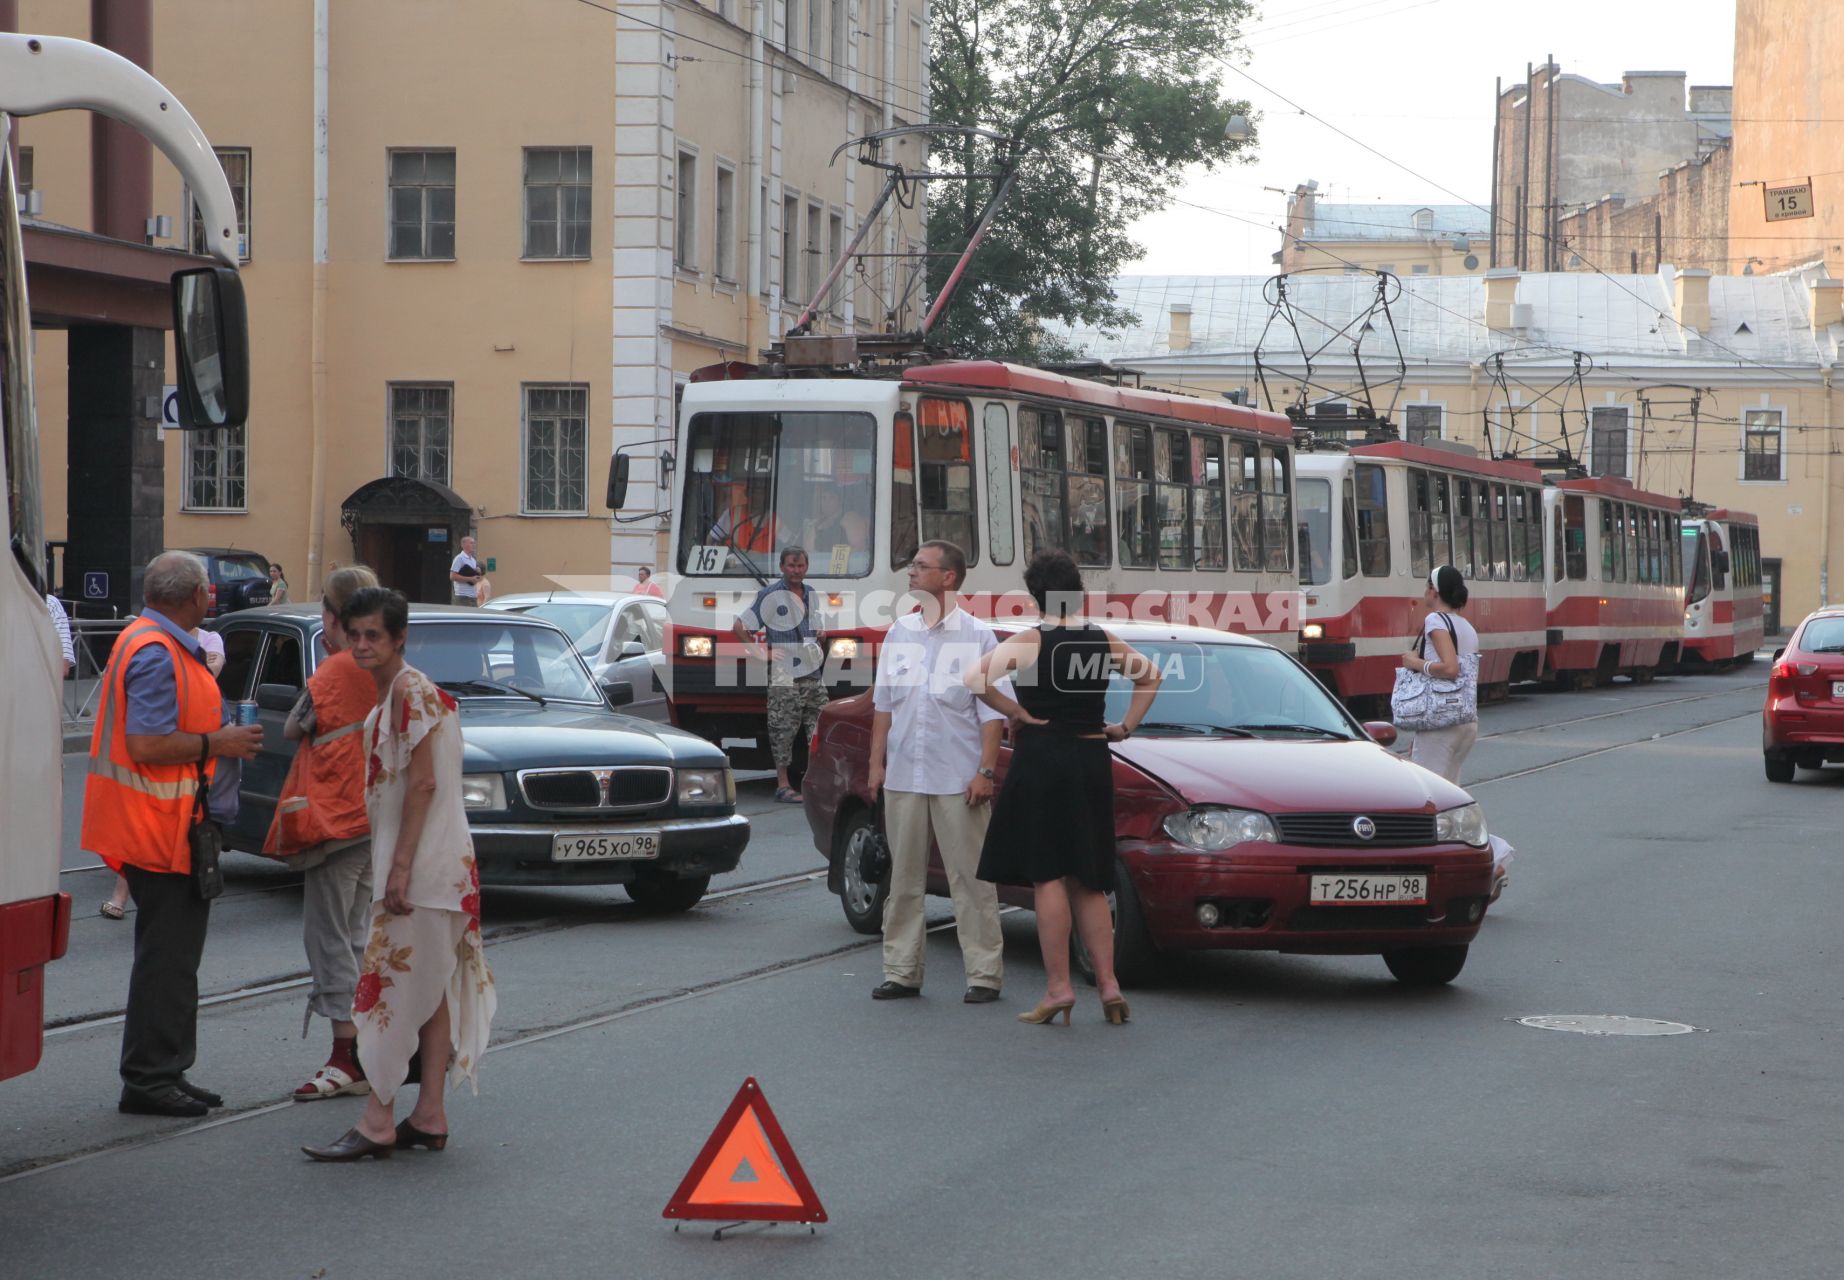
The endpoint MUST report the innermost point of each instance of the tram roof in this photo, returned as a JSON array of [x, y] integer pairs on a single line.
[[1013, 379], [1732, 517], [1451, 460], [1621, 489]]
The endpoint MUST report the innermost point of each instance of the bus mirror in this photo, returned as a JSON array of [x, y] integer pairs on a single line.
[[617, 481], [211, 344]]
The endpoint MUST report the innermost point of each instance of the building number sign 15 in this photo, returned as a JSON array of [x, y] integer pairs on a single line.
[[1791, 201]]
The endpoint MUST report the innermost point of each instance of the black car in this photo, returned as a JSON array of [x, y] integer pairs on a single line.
[[560, 788], [239, 579]]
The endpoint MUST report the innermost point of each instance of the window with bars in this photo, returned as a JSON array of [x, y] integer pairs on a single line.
[[1761, 433], [215, 470], [556, 450], [422, 205], [235, 161], [558, 187], [1421, 423], [1607, 441], [422, 422]]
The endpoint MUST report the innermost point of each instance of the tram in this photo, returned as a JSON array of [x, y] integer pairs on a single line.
[[1375, 520], [1614, 578], [1724, 615], [1176, 507]]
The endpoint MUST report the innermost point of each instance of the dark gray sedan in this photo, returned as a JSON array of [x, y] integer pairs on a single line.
[[561, 789]]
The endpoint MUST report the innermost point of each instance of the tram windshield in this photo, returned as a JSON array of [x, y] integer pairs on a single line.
[[1315, 502], [1696, 565], [757, 482]]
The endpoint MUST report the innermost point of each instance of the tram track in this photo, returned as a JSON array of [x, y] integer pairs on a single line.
[[1754, 689]]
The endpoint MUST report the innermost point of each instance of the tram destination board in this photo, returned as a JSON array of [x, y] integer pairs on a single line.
[[1793, 200]]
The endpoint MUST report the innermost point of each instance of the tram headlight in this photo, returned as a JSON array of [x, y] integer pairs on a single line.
[[842, 647], [1215, 829], [1312, 631], [697, 646], [1464, 825]]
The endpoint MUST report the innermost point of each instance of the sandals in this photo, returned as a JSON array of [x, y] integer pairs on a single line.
[[332, 1082], [114, 912], [787, 795]]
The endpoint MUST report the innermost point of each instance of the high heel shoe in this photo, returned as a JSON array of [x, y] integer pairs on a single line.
[[408, 1135], [1046, 1012], [1116, 1011]]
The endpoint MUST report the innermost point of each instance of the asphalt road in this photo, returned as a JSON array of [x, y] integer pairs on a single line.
[[1262, 1116]]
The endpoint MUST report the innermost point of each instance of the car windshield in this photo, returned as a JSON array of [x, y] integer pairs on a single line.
[[1823, 635], [585, 623], [241, 570], [1232, 688], [469, 658]]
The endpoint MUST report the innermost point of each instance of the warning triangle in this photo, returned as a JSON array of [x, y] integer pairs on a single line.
[[747, 1170]]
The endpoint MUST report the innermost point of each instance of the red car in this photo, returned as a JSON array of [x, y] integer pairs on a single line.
[[1802, 724], [1251, 813]]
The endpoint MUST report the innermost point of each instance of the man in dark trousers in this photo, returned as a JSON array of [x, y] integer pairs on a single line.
[[159, 731]]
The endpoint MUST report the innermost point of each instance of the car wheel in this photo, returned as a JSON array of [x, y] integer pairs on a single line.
[[864, 872], [667, 895], [1426, 966], [1779, 768], [1137, 961]]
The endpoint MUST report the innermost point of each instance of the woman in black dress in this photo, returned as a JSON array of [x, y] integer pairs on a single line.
[[1053, 822]]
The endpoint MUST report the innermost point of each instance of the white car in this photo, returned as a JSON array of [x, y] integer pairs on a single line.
[[620, 635]]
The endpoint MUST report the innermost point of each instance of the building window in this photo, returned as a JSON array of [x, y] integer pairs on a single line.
[[835, 245], [422, 421], [214, 479], [235, 161], [1424, 221], [816, 262], [723, 261], [422, 205], [1421, 423], [759, 262], [790, 22], [816, 34], [685, 220], [22, 172], [558, 186], [838, 40], [1761, 434], [790, 239], [556, 450], [1607, 445]]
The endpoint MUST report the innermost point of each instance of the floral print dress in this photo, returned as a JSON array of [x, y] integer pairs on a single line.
[[414, 961]]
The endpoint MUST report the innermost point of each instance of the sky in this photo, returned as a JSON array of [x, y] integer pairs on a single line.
[[1414, 79]]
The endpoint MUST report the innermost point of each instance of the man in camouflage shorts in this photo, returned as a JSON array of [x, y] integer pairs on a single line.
[[782, 615]]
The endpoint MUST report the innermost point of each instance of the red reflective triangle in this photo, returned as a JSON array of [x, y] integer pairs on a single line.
[[746, 1170]]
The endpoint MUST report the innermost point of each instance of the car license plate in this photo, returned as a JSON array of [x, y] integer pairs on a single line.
[[1837, 688], [602, 846], [1369, 891]]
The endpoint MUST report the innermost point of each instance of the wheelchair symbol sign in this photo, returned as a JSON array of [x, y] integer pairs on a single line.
[[95, 585]]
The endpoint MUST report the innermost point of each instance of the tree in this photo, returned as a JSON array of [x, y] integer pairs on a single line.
[[1103, 104]]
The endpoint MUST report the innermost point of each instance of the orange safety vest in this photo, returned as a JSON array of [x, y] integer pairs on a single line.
[[138, 813], [324, 796]]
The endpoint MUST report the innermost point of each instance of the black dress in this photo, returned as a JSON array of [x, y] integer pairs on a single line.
[[1054, 816]]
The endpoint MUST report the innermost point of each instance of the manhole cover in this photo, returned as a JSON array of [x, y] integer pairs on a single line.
[[1605, 1024]]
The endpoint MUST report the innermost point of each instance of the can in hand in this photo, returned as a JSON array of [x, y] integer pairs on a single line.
[[246, 713]]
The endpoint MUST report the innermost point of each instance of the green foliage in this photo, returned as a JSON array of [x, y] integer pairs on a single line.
[[1103, 105]]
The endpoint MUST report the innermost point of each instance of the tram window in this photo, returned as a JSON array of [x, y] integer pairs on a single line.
[[1421, 514], [1208, 507], [1440, 525], [1085, 492], [1655, 528], [1719, 576], [1245, 506], [1674, 550], [1557, 551], [903, 537], [1276, 510], [945, 475], [1534, 514], [1520, 537], [1488, 540], [1630, 521], [1498, 519], [1133, 495], [1610, 545], [1372, 520], [996, 436], [1463, 527], [1349, 521], [1572, 525], [1315, 531], [1171, 469], [1040, 473]]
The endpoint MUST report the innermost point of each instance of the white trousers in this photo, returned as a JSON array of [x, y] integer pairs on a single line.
[[1443, 751], [959, 830]]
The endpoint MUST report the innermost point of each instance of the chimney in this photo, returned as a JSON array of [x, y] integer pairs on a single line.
[[1180, 339], [1827, 303], [1692, 299], [1500, 297]]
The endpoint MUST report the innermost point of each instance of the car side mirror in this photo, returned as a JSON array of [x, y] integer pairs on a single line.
[[633, 649], [617, 481], [1381, 732], [211, 341], [277, 697], [618, 692]]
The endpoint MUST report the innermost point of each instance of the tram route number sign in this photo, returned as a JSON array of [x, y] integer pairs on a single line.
[[1788, 202]]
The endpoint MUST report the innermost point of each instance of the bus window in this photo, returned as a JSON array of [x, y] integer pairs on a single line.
[[1207, 502], [1349, 522], [1040, 474], [1133, 495], [1372, 520], [1245, 506], [945, 476], [1520, 537], [1315, 531], [1171, 469], [1421, 516], [1276, 510], [1085, 491], [1463, 527], [996, 434], [1573, 524], [1440, 526]]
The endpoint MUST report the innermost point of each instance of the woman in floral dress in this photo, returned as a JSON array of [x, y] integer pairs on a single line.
[[424, 981]]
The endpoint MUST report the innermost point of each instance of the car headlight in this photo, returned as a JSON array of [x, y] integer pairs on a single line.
[[1215, 829], [1465, 825], [1312, 631], [483, 791], [697, 646], [707, 786], [843, 647]]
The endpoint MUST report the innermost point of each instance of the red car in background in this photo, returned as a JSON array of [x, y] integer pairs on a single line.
[[1802, 725], [1251, 812]]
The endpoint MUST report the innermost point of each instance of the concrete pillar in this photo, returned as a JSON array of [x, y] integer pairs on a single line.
[[1691, 298], [117, 485], [121, 160], [1180, 339], [1500, 296]]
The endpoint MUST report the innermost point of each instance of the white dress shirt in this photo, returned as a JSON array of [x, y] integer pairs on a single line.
[[935, 721]]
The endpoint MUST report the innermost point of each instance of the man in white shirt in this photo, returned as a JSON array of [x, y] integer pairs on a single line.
[[934, 748], [464, 574]]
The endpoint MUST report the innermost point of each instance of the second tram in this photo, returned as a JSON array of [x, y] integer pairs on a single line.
[[1615, 593], [1724, 613]]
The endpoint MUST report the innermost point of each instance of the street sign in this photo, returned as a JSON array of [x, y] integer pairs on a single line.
[[1791, 201], [169, 412], [95, 585]]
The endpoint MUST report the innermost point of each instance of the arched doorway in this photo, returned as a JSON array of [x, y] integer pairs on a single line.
[[408, 531]]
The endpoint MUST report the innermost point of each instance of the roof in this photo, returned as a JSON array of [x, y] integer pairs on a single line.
[[1395, 222], [991, 375], [1623, 490], [1451, 460]]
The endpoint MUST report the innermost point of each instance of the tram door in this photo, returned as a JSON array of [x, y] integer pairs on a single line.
[[1770, 596]]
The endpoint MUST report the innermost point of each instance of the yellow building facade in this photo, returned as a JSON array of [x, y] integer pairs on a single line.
[[1407, 239]]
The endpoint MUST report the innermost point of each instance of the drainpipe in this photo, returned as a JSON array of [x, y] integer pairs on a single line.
[[757, 95], [1824, 506], [317, 391]]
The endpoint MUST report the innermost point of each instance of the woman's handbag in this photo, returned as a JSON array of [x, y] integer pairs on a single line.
[[1421, 701]]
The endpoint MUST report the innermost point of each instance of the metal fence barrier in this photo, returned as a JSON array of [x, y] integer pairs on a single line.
[[93, 639]]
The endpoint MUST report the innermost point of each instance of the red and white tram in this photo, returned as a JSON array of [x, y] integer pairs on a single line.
[[1615, 582], [1724, 618], [1176, 507], [1375, 520]]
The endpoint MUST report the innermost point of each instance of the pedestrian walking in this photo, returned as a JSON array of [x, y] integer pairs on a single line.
[[423, 983], [1455, 657], [464, 574], [278, 584], [1053, 824], [934, 754], [644, 584], [321, 828], [782, 616], [159, 733], [61, 621]]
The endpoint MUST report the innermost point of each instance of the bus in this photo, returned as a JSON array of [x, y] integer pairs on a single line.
[[40, 74], [1724, 615], [1615, 582], [1375, 520], [1176, 507]]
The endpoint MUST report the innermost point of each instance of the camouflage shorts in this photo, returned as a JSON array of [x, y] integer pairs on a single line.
[[793, 708]]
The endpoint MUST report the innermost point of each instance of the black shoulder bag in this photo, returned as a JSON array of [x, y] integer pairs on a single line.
[[206, 844]]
